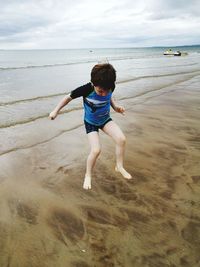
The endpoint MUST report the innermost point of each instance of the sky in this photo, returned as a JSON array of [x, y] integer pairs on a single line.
[[59, 24]]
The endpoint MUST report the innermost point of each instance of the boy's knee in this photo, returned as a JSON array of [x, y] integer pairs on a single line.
[[121, 140], [96, 151]]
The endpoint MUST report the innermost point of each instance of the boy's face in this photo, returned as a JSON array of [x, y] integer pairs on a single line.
[[100, 91]]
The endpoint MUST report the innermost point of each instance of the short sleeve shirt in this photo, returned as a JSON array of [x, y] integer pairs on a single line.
[[96, 107]]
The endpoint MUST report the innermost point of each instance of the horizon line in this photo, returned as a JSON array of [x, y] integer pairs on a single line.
[[90, 48]]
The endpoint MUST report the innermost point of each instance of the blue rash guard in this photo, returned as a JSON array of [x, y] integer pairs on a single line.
[[97, 108]]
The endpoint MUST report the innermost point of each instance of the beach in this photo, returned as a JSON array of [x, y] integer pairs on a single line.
[[48, 219]]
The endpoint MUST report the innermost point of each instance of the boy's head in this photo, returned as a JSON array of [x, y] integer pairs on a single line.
[[104, 76]]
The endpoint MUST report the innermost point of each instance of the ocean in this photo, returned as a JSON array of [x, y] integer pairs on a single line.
[[32, 82]]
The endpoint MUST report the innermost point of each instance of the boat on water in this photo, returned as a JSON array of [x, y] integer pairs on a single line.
[[169, 52]]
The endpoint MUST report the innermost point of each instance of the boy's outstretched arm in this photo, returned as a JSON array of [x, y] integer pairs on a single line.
[[60, 105], [116, 108]]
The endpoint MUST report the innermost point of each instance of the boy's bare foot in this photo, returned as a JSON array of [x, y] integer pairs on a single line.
[[123, 172], [53, 115], [87, 182]]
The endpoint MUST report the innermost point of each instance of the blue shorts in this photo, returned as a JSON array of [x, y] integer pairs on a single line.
[[94, 128]]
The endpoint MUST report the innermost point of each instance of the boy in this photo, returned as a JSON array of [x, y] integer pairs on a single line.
[[97, 99]]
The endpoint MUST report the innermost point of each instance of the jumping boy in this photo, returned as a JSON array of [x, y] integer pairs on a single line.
[[97, 99]]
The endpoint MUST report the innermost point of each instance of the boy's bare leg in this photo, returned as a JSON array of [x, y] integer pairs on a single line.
[[113, 130], [93, 138]]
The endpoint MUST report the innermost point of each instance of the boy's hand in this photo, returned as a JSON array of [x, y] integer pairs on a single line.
[[53, 115], [120, 110]]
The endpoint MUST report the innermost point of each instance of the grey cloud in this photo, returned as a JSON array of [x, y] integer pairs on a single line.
[[20, 16], [51, 23], [162, 9], [8, 28]]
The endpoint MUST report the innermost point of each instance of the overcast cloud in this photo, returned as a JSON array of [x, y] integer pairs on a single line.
[[42, 24]]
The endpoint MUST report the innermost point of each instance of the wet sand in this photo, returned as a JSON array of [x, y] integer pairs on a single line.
[[153, 220]]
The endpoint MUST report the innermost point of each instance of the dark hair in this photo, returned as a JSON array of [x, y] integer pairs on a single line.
[[104, 76]]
